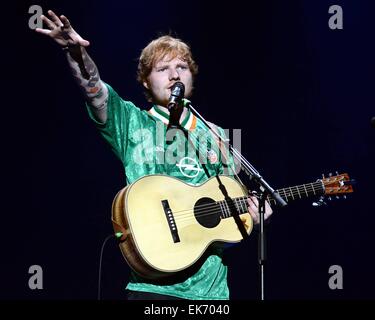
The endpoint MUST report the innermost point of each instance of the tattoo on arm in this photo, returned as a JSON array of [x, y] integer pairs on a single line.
[[87, 76]]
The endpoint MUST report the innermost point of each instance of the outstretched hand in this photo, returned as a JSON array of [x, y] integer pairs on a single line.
[[61, 30]]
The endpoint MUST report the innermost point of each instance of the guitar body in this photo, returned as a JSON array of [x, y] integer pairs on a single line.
[[166, 225], [149, 244]]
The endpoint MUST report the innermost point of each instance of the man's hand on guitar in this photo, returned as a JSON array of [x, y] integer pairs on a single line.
[[253, 209]]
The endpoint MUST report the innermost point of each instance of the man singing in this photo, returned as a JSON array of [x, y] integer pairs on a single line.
[[132, 132]]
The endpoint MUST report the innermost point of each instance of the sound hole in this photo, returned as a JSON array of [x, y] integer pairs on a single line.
[[207, 212]]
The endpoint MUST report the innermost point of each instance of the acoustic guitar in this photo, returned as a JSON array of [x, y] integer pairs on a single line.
[[165, 225]]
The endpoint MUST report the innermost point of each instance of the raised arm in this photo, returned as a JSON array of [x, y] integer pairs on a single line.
[[83, 67]]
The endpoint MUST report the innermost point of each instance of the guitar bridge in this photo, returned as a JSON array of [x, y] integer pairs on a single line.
[[171, 222]]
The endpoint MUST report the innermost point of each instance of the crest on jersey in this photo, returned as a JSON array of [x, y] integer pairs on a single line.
[[189, 167]]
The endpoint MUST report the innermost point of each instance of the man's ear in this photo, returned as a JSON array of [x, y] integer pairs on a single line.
[[145, 84]]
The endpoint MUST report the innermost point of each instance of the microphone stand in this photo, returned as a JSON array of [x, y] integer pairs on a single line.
[[265, 188], [262, 241]]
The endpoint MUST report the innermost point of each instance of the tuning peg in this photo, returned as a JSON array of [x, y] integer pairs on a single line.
[[323, 175], [330, 174], [344, 196], [337, 197], [319, 203], [337, 173], [329, 198], [316, 204]]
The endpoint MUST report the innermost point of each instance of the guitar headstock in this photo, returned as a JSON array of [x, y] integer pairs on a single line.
[[337, 185]]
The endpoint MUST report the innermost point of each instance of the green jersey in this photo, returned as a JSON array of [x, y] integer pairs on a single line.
[[140, 140]]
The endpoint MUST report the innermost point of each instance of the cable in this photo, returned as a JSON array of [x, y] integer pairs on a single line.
[[117, 235]]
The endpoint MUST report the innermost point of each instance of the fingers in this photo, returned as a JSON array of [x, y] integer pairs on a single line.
[[55, 18], [55, 23], [65, 28], [75, 36], [43, 31], [253, 203], [78, 39], [84, 43], [65, 21], [269, 211], [254, 216], [48, 22], [254, 211]]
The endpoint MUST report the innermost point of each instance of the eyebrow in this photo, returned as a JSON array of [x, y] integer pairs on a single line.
[[166, 64]]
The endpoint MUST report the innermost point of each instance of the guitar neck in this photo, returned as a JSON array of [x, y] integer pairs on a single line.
[[288, 194], [299, 192]]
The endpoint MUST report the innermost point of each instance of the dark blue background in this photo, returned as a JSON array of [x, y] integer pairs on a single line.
[[301, 93]]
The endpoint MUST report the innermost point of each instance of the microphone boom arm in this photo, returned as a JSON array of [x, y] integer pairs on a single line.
[[245, 164]]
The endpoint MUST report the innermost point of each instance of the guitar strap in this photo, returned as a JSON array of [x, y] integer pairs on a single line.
[[223, 152]]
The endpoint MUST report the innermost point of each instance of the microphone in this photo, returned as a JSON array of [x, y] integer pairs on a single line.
[[177, 94]]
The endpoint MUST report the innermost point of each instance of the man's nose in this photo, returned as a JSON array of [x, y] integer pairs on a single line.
[[174, 75]]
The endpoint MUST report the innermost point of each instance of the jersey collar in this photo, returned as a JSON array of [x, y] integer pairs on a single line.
[[188, 122]]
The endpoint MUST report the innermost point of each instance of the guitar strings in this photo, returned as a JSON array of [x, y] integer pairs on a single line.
[[213, 211], [310, 188], [201, 212], [204, 208], [210, 209]]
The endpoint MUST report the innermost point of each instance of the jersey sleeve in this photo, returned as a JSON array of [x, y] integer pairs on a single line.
[[120, 115]]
